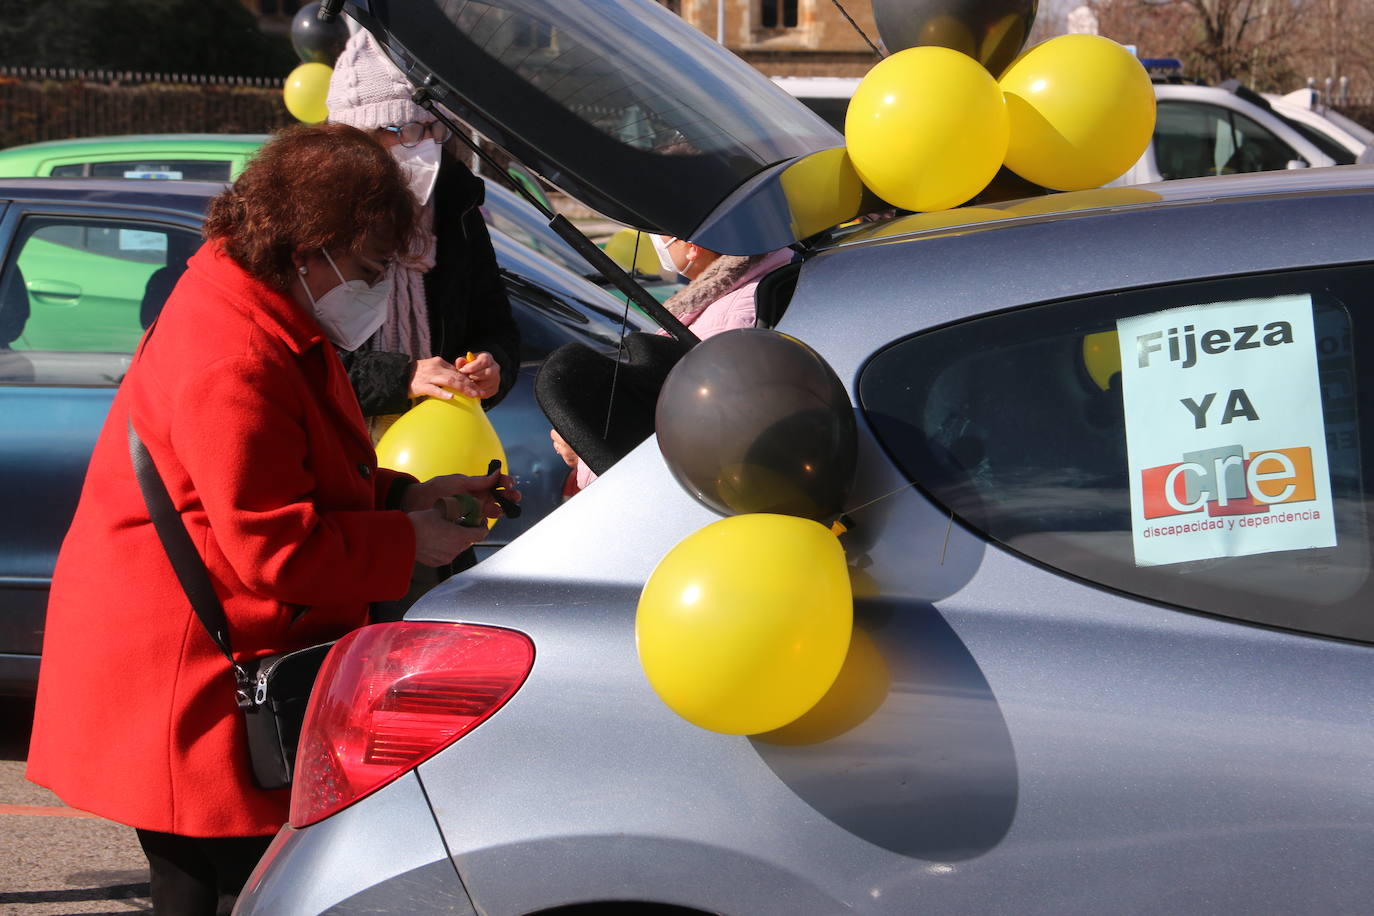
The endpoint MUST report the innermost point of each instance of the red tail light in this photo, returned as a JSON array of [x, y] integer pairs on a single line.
[[392, 695]]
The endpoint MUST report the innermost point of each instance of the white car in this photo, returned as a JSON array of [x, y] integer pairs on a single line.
[[1211, 130], [1201, 130], [1304, 107]]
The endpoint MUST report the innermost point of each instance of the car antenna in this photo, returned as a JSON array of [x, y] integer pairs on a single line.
[[594, 256]]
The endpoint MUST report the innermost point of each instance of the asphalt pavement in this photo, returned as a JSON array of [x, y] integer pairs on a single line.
[[56, 860]]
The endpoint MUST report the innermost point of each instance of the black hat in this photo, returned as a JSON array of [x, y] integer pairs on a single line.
[[579, 388]]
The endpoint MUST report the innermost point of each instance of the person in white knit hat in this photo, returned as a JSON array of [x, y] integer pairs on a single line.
[[449, 324]]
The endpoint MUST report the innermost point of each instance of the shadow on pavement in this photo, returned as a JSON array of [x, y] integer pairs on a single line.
[[16, 723], [76, 894]]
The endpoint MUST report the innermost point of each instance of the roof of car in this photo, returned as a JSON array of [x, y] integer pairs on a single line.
[[158, 141], [185, 196], [1081, 204]]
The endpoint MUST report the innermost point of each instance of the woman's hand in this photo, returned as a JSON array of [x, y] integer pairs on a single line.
[[437, 540], [433, 375], [421, 496], [564, 450], [483, 373]]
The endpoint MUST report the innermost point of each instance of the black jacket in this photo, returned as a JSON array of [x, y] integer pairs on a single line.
[[468, 309]]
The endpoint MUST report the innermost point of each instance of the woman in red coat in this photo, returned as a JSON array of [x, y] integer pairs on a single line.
[[242, 401]]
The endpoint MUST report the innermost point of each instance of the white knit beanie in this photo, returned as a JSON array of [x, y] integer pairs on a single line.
[[367, 91]]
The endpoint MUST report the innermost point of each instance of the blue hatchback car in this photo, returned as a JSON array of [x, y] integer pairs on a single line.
[[87, 264]]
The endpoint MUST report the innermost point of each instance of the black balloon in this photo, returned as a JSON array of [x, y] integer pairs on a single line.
[[990, 31], [315, 41], [755, 421]]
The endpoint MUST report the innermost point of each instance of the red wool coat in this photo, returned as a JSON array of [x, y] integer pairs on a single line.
[[249, 417]]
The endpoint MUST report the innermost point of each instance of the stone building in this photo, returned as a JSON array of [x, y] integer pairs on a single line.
[[789, 37]]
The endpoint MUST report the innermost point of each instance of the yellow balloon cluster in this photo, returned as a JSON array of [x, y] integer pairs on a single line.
[[928, 127], [1082, 110], [437, 437], [744, 625], [305, 90]]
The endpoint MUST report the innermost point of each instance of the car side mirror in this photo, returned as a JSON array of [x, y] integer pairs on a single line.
[[1296, 164]]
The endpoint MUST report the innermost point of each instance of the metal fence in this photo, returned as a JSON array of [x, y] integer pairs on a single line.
[[41, 103]]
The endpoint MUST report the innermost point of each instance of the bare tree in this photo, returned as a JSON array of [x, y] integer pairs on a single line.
[[1216, 39]]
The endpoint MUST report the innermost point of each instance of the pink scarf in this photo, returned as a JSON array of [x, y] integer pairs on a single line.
[[406, 329]]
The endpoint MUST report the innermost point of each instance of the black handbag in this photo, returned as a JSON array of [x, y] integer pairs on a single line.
[[272, 692]]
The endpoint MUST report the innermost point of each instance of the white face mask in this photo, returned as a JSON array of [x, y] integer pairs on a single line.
[[665, 257], [420, 163], [352, 311]]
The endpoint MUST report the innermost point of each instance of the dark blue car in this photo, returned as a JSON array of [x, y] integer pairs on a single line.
[[87, 264]]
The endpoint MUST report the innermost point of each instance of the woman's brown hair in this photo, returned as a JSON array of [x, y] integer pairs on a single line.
[[312, 186]]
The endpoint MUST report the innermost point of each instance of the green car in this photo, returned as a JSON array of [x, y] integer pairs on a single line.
[[221, 157], [193, 157], [59, 256]]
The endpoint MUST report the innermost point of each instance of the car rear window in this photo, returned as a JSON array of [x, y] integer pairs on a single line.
[[1203, 445], [167, 169], [650, 138]]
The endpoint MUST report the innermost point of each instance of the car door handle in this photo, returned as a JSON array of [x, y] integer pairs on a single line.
[[58, 290]]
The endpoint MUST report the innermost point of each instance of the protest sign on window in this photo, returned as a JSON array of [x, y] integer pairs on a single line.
[[1224, 434]]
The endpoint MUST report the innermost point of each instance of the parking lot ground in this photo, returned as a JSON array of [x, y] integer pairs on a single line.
[[55, 860]]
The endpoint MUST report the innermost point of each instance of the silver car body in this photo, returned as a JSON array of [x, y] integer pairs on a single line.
[[1045, 745], [1040, 742]]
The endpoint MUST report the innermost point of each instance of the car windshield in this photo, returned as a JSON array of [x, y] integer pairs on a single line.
[[620, 103]]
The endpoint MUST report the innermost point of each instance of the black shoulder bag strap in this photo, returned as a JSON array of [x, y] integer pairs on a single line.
[[186, 562]]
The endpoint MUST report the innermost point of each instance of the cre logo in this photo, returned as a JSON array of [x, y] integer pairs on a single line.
[[1226, 481]]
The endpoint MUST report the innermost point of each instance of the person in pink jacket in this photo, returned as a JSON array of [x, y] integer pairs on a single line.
[[718, 298]]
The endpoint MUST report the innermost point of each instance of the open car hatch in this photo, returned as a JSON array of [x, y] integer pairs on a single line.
[[629, 110]]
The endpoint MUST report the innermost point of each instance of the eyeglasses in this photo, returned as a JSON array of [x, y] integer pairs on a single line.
[[412, 133]]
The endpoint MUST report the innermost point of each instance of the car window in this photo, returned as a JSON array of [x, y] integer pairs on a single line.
[[1339, 154], [173, 169], [652, 139], [1218, 460], [1192, 140], [833, 110], [547, 321], [76, 295], [186, 169], [542, 241]]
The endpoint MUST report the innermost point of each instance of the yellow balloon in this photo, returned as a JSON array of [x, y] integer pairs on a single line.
[[437, 437], [305, 91], [860, 689], [1102, 357], [822, 190], [621, 249], [1082, 111], [745, 624], [1092, 199], [924, 222], [927, 128]]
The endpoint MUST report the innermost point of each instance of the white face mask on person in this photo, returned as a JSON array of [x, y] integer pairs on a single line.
[[351, 312], [665, 257], [420, 163]]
